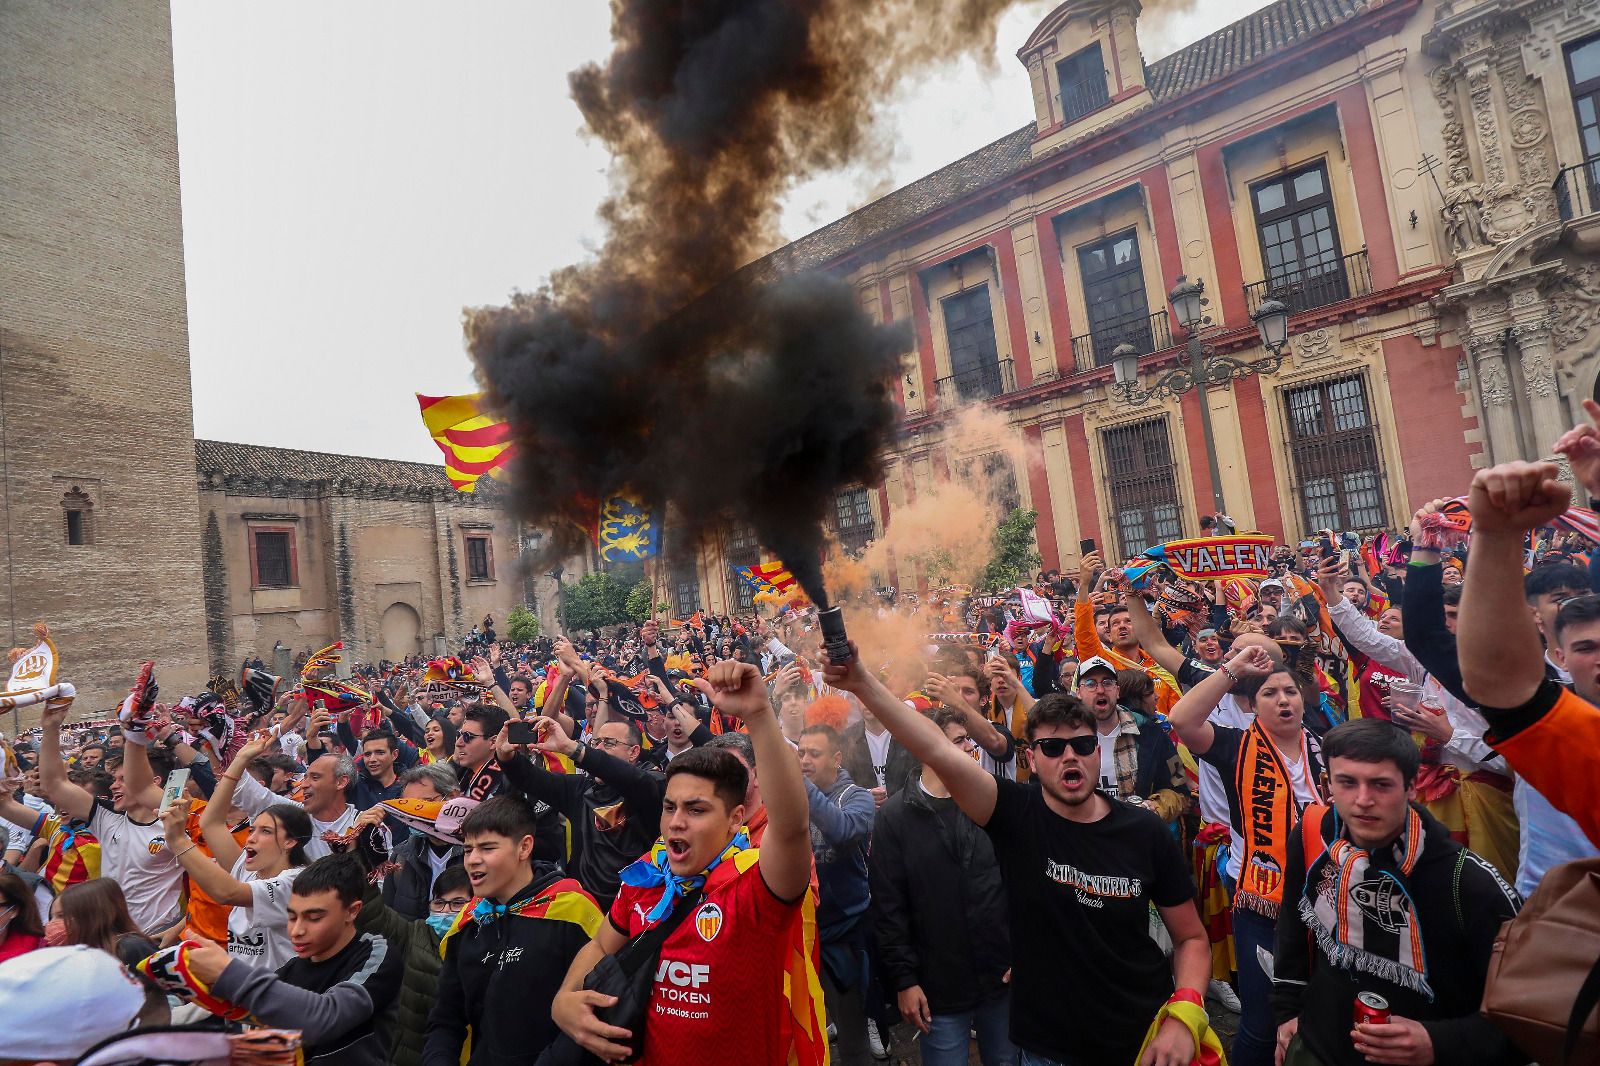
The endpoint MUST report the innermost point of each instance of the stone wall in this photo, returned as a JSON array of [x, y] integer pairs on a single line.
[[94, 355]]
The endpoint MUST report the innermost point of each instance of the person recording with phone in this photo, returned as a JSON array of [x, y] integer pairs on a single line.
[[612, 804]]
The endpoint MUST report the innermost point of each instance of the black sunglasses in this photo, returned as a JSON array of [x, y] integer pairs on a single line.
[[1055, 747]]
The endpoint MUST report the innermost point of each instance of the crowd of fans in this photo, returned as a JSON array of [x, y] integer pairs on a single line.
[[1312, 800]]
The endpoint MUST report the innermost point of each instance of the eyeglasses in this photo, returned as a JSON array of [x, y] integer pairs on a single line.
[[1055, 747], [463, 736], [447, 906], [609, 743], [1098, 682]]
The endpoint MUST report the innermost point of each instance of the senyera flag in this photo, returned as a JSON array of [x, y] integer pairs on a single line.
[[474, 443]]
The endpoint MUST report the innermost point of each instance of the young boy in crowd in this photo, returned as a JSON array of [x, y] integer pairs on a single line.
[[511, 945], [341, 989]]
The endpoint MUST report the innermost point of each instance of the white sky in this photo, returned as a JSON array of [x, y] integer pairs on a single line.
[[354, 174]]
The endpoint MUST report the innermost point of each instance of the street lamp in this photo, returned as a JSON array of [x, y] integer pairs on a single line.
[[1200, 365]]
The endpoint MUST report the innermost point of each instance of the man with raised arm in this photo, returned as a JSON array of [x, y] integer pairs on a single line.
[[719, 989], [1548, 734], [1081, 871]]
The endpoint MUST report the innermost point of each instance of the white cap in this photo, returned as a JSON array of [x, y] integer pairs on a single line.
[[1095, 662], [59, 1002], [1272, 582]]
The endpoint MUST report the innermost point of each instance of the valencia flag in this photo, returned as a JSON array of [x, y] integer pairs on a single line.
[[474, 443]]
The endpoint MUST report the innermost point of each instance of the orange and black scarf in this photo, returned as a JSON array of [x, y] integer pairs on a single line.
[[1267, 811]]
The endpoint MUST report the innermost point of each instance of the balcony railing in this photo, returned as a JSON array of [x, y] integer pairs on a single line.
[[1577, 190], [1078, 98], [1094, 348], [1306, 290], [979, 383]]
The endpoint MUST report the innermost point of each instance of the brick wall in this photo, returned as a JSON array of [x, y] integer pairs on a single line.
[[94, 351], [1437, 441]]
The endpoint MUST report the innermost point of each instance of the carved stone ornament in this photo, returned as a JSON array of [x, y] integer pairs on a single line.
[[1577, 306], [1494, 384], [1314, 344]]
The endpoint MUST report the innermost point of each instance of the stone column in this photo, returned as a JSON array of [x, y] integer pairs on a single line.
[[1536, 350], [1496, 396]]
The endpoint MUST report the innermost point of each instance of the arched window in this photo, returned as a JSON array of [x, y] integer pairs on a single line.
[[78, 515]]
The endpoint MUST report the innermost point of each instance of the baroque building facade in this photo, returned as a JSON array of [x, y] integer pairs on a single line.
[[1415, 179]]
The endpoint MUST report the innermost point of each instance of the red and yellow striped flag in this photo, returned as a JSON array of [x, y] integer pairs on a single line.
[[474, 443]]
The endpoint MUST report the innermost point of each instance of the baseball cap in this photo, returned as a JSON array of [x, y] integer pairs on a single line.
[[1095, 662], [58, 1002], [1272, 582]]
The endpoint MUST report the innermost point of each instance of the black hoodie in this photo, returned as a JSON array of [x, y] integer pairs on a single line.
[[499, 979], [1458, 919]]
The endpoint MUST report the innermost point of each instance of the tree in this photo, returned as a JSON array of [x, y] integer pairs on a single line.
[[521, 625], [638, 603], [1014, 557], [597, 600]]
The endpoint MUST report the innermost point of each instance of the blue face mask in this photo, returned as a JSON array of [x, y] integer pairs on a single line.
[[440, 923]]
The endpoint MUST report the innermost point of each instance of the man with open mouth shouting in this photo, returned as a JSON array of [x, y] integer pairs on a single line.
[[1081, 872], [719, 983]]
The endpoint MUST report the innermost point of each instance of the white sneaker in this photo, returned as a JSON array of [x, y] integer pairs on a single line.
[[875, 1042], [1223, 993]]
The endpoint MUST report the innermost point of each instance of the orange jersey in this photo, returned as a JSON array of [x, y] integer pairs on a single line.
[[1558, 752], [206, 916]]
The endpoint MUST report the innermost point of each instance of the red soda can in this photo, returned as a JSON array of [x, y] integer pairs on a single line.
[[1372, 1009]]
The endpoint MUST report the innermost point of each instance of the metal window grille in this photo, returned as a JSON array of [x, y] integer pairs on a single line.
[[1334, 447], [685, 590], [852, 519], [272, 561], [1143, 484], [744, 549], [995, 475]]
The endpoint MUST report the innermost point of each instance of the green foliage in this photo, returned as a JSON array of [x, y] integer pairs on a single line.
[[521, 624], [1014, 558], [597, 600], [638, 602]]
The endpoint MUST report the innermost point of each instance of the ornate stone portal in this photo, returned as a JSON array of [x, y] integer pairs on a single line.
[[1526, 307]]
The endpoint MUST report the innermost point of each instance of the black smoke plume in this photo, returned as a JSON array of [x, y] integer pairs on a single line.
[[675, 364]]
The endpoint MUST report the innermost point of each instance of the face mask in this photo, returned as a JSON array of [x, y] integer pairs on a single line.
[[440, 923], [55, 932]]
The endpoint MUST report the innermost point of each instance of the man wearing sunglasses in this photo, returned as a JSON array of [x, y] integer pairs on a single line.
[[1081, 871]]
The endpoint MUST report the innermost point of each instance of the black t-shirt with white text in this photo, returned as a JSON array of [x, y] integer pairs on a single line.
[[1087, 979]]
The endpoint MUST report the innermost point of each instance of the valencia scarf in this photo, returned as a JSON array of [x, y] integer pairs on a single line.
[[1267, 810], [654, 869], [1361, 915]]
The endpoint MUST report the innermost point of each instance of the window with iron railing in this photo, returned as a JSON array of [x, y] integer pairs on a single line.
[[974, 356], [1578, 186], [852, 519], [685, 590], [1334, 447], [1142, 481], [1113, 295], [744, 549], [991, 475], [1300, 239], [1082, 77], [272, 554]]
